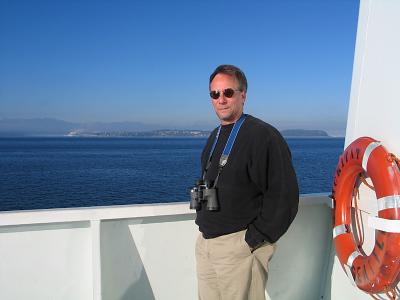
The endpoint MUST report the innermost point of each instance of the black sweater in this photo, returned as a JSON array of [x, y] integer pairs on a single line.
[[257, 188]]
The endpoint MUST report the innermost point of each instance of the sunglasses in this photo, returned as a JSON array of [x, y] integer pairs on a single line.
[[228, 93]]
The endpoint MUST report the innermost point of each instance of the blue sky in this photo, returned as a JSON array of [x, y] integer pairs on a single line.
[[149, 61]]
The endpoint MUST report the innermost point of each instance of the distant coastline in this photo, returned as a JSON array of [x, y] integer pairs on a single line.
[[58, 128], [152, 133], [187, 133], [304, 133]]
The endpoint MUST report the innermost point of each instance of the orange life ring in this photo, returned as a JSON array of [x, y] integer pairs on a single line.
[[379, 271]]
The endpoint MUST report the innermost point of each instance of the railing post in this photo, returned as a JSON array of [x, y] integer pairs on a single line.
[[96, 259]]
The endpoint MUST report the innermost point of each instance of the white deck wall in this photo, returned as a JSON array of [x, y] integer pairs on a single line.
[[142, 252], [373, 108]]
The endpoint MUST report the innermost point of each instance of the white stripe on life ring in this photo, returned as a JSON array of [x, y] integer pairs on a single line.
[[371, 147], [339, 229], [384, 224], [352, 257], [389, 202]]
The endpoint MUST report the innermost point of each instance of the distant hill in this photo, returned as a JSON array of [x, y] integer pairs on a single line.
[[48, 126], [304, 133], [187, 133], [152, 133]]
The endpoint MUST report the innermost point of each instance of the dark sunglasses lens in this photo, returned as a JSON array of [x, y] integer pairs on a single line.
[[214, 94], [229, 93]]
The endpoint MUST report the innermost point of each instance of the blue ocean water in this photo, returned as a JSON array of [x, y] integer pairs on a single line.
[[38, 173]]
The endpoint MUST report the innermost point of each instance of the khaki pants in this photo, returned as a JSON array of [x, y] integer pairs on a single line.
[[228, 270]]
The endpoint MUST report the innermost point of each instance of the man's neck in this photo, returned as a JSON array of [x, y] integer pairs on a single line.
[[223, 123]]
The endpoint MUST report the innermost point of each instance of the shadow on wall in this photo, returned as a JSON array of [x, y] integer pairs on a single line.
[[141, 289], [123, 273], [301, 264]]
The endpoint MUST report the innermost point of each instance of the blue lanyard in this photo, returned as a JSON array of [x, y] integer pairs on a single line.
[[229, 144]]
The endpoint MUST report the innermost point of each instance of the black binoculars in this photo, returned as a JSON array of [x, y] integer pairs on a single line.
[[203, 192]]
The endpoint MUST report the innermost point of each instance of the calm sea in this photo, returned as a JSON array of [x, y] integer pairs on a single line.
[[40, 173]]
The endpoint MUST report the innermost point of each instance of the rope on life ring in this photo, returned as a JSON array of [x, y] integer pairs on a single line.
[[380, 271]]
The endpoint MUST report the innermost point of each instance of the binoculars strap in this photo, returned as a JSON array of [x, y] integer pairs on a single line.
[[227, 149]]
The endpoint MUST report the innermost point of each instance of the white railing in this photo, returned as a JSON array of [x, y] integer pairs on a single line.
[[137, 252]]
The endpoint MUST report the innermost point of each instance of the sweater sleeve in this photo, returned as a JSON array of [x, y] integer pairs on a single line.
[[273, 173]]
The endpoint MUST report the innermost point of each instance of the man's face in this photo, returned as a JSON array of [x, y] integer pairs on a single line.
[[227, 109]]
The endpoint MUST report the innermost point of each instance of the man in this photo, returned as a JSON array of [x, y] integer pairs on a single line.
[[257, 195]]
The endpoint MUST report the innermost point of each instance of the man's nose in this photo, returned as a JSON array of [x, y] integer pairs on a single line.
[[222, 98]]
